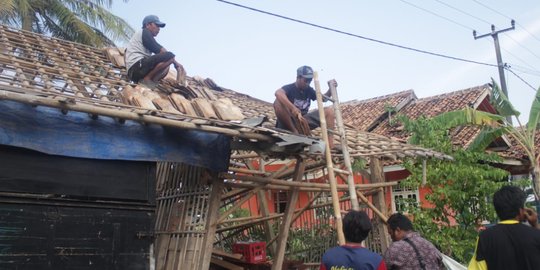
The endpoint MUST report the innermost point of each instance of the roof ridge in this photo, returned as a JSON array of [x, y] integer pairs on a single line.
[[454, 93], [356, 101]]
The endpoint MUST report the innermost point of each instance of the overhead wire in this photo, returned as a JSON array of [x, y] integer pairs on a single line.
[[517, 23], [480, 19], [358, 36], [465, 26], [435, 14], [463, 12], [519, 77], [506, 67]]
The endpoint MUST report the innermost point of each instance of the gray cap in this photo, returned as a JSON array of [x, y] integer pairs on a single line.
[[305, 72], [152, 19]]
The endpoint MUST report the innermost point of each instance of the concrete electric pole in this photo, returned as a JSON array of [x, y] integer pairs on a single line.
[[500, 64]]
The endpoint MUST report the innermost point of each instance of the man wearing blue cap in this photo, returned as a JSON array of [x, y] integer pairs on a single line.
[[293, 101], [146, 60]]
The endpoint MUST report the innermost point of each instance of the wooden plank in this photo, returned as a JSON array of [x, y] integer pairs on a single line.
[[377, 176], [225, 264], [221, 253], [27, 171], [287, 219], [211, 220]]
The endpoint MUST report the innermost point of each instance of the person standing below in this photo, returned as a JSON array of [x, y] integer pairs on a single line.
[[510, 244], [293, 101], [146, 60], [409, 251], [352, 255]]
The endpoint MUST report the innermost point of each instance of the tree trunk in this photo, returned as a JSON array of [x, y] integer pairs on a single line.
[[27, 22]]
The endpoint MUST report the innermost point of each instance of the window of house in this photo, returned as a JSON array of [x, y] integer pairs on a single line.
[[280, 201], [402, 197]]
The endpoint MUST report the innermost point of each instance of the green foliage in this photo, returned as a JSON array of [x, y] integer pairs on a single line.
[[359, 164], [88, 22], [459, 190]]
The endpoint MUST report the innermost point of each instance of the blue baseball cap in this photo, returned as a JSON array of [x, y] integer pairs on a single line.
[[305, 72], [152, 19]]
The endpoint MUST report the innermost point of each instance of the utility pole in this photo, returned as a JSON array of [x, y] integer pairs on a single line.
[[500, 64]]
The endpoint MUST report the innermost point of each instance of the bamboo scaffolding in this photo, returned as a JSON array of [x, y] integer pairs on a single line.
[[264, 180]]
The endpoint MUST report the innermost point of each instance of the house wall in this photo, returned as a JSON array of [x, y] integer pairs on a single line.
[[71, 213]]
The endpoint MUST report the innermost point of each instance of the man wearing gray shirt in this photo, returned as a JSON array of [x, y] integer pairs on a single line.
[[146, 60]]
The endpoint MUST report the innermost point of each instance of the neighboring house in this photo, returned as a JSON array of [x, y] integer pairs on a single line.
[[381, 121]]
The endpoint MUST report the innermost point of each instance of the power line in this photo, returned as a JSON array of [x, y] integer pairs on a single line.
[[529, 50], [357, 36], [464, 12], [484, 5], [482, 20], [525, 70], [464, 26], [435, 14], [519, 77]]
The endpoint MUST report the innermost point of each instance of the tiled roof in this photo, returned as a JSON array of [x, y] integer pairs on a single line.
[[46, 71], [366, 114], [475, 97]]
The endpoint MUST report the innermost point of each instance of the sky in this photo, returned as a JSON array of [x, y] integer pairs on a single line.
[[254, 53]]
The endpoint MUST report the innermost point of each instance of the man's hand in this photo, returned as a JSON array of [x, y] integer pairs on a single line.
[[531, 216], [332, 82], [180, 73]]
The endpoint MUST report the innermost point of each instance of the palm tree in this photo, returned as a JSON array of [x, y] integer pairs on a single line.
[[494, 126], [83, 21]]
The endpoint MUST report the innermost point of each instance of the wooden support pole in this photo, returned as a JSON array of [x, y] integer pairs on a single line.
[[211, 224], [287, 219], [238, 204], [372, 207], [377, 176]]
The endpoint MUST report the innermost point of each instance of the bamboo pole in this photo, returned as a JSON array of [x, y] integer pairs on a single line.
[[345, 150], [266, 180], [370, 205], [331, 176]]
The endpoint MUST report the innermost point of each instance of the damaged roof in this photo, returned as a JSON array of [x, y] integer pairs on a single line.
[[44, 71]]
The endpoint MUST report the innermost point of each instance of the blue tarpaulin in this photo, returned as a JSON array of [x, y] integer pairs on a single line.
[[76, 134]]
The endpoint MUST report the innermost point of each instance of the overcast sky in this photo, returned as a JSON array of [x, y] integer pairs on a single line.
[[255, 54]]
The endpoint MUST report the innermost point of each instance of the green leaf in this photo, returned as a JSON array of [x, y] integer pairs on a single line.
[[500, 101], [534, 115], [486, 136]]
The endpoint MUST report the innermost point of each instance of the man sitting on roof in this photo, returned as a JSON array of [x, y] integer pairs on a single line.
[[292, 105], [147, 60]]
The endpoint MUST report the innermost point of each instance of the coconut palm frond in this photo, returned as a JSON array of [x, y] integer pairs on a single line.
[[84, 21]]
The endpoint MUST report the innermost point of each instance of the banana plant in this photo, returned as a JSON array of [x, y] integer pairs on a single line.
[[496, 125]]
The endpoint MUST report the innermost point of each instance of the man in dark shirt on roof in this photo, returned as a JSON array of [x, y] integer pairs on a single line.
[[147, 60], [509, 244], [293, 101]]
